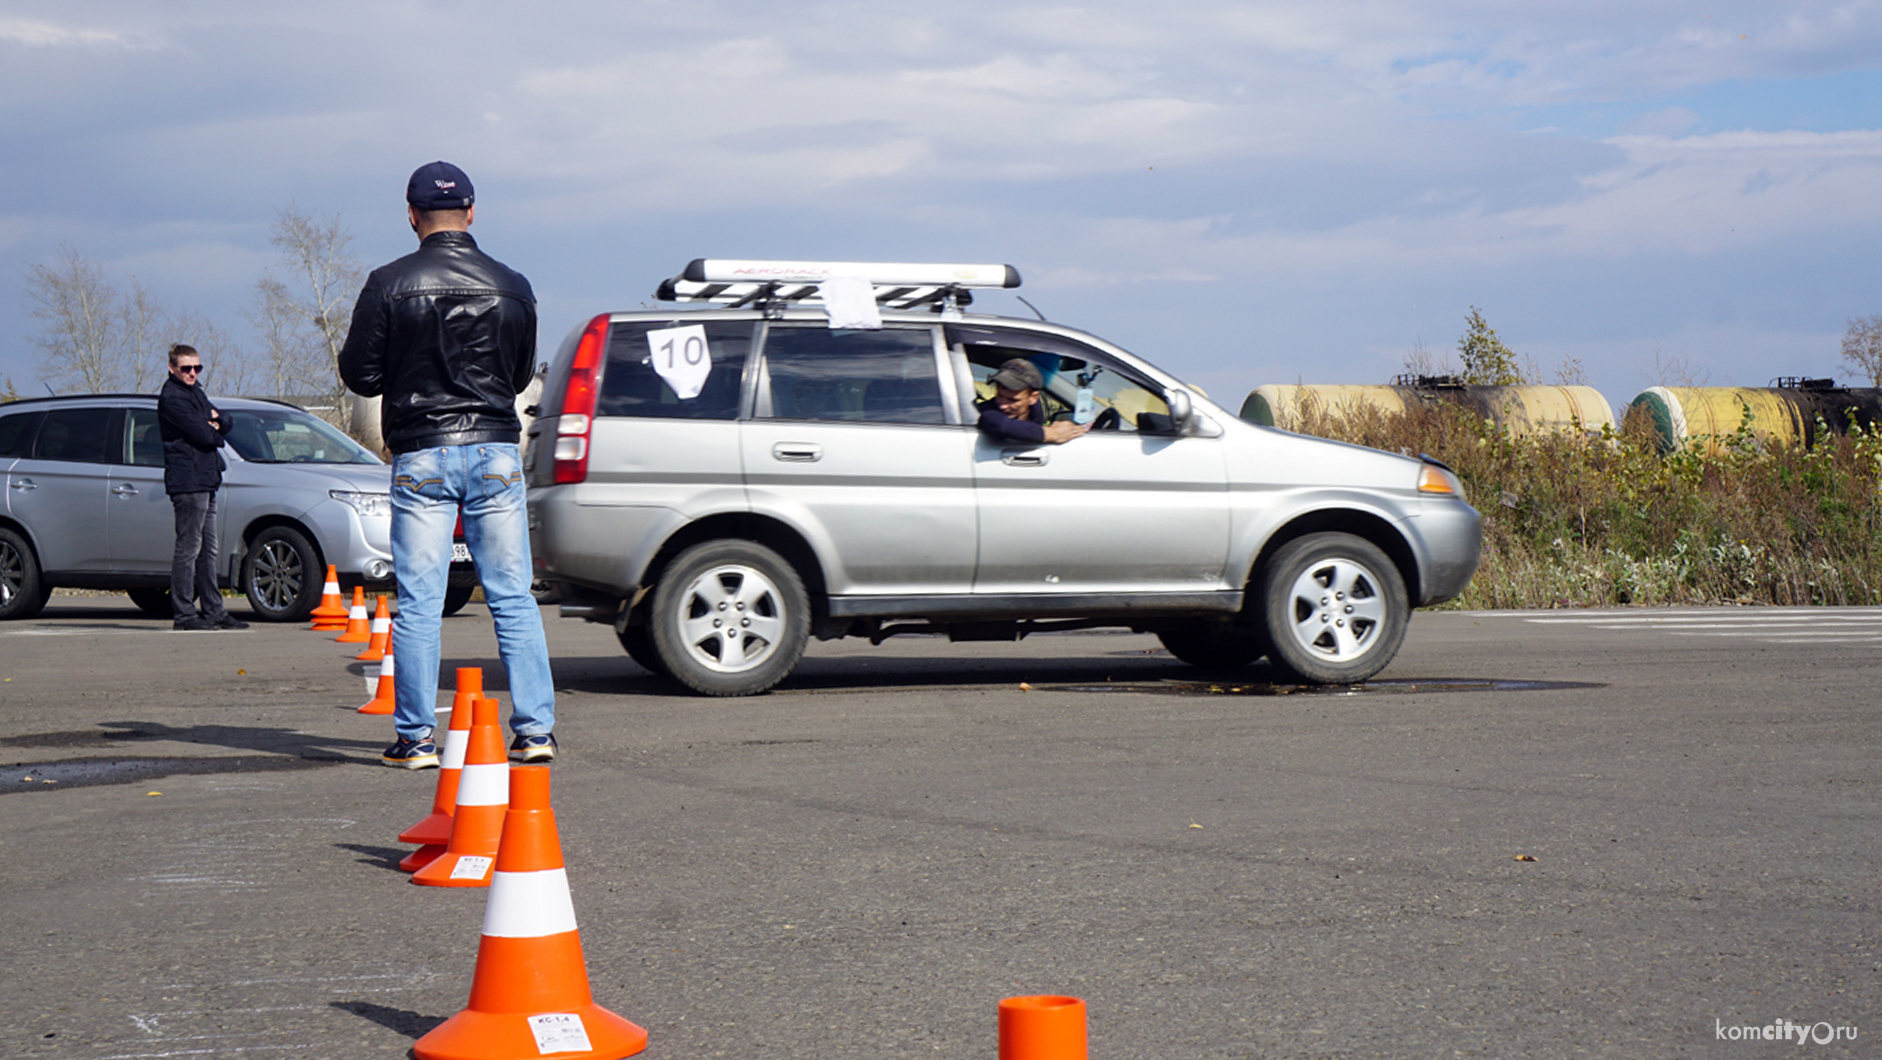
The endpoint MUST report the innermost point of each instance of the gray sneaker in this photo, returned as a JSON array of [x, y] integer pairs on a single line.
[[537, 748]]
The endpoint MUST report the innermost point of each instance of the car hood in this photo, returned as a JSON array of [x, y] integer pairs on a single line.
[[361, 478]]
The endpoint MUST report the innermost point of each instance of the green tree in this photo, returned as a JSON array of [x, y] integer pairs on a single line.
[[1487, 361]]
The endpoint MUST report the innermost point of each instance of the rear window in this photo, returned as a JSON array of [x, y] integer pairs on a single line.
[[634, 383], [874, 376], [77, 435], [16, 432]]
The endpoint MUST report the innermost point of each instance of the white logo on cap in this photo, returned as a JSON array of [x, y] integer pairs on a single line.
[[443, 184]]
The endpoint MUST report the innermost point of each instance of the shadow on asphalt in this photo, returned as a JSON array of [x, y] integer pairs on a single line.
[[380, 857], [411, 1024], [272, 750]]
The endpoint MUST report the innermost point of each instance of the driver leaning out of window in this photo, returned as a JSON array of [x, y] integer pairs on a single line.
[[1015, 411]]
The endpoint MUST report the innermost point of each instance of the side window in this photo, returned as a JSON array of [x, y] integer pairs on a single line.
[[1119, 401], [143, 442], [886, 376], [79, 435], [632, 385], [16, 432]]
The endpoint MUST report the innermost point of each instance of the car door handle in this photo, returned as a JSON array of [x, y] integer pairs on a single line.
[[124, 489], [1012, 458], [797, 452], [24, 484]]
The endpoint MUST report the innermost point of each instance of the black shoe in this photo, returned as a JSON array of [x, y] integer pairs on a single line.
[[537, 748], [194, 622], [412, 754], [228, 621]]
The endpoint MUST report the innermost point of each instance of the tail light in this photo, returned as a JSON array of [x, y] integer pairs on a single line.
[[574, 426]]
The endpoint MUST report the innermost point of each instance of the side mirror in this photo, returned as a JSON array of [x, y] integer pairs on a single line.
[[1180, 409]]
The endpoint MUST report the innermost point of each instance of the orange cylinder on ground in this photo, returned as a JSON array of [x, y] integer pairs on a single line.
[[530, 994], [331, 614], [1042, 1027], [434, 830], [358, 624], [385, 696]]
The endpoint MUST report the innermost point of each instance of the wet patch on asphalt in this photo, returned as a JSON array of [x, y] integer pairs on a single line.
[[91, 772], [1259, 688]]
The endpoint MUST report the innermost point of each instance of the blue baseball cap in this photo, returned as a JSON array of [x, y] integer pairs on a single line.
[[439, 186]]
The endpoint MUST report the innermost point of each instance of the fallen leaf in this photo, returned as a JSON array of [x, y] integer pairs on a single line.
[[148, 794], [1193, 824], [241, 673], [1024, 687], [1522, 857]]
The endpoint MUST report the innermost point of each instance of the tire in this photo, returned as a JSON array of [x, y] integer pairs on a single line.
[[153, 602], [1335, 607], [1213, 645], [737, 586], [638, 642], [22, 591], [456, 596], [546, 592], [282, 575]]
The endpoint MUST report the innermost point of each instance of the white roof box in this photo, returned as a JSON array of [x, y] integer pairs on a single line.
[[898, 285]]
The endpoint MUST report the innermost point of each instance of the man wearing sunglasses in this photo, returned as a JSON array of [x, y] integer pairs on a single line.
[[192, 431]]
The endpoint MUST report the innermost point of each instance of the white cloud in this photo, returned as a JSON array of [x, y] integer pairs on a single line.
[[38, 34]]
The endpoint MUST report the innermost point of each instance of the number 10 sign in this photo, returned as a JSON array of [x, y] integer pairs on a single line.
[[682, 359]]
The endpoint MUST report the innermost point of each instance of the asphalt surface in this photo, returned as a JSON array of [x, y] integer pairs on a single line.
[[1612, 834]]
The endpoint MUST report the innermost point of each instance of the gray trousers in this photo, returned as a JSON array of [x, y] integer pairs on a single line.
[[193, 588]]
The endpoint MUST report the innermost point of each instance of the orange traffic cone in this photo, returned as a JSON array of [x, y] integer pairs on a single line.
[[331, 614], [435, 830], [1041, 1028], [381, 632], [358, 626], [477, 820], [385, 697], [529, 995]]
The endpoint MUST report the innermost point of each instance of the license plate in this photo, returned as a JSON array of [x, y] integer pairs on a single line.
[[460, 552]]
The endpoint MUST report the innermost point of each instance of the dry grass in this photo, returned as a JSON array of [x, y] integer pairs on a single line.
[[1581, 520]]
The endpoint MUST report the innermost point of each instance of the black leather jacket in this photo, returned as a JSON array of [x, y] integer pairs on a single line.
[[190, 461], [447, 334]]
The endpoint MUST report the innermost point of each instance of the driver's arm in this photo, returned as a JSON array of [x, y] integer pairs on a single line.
[[1062, 431]]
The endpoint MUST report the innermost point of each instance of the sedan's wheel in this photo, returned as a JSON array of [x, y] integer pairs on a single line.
[[730, 618], [153, 602], [1213, 645], [22, 593], [1335, 607], [282, 575]]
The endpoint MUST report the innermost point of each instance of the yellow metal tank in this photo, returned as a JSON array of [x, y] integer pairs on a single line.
[[1713, 413], [1518, 409]]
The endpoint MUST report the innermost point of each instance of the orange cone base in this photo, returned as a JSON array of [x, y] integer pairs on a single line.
[[377, 706], [421, 857], [434, 829], [451, 870], [494, 1035]]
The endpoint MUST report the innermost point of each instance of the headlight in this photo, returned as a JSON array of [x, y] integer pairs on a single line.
[[364, 503]]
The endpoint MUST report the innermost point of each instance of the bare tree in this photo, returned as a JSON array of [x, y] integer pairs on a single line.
[[323, 281], [1674, 370], [83, 316], [290, 352], [1862, 347]]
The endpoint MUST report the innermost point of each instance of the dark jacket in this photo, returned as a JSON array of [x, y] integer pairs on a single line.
[[190, 461], [447, 334], [1000, 425]]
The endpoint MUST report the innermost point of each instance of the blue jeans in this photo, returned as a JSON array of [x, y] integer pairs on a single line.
[[429, 487]]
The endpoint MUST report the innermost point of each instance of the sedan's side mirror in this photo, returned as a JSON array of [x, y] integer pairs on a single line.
[[1180, 409]]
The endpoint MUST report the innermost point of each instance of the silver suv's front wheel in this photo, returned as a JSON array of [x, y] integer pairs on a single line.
[[1335, 607], [729, 618]]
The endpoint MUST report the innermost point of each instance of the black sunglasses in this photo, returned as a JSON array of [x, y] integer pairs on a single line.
[[189, 367]]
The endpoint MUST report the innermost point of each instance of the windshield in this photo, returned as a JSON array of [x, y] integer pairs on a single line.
[[290, 436]]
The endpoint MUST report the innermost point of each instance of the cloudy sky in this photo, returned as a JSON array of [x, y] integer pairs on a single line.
[[1243, 192]]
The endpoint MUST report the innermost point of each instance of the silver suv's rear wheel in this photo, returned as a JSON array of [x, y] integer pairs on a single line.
[[729, 618], [22, 593], [1335, 607]]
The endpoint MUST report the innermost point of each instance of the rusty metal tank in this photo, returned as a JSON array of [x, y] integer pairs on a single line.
[[1517, 409], [1785, 413]]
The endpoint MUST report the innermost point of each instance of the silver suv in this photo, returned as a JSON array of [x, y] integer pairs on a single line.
[[722, 484], [85, 505]]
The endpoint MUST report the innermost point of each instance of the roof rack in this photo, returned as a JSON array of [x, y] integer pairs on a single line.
[[768, 284]]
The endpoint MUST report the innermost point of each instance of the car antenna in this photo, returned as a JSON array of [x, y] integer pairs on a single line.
[[1034, 308]]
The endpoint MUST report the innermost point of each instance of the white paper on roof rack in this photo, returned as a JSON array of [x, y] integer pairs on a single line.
[[851, 302]]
